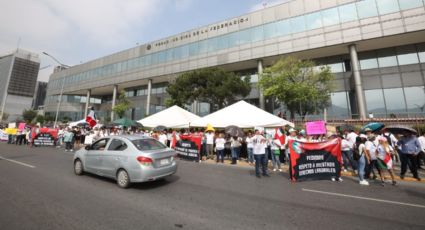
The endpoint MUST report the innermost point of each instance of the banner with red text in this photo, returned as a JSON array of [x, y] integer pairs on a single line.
[[315, 161]]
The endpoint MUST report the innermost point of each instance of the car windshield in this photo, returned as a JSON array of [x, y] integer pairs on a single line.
[[148, 144]]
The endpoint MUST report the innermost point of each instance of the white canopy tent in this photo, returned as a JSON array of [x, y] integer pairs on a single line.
[[173, 117], [242, 115]]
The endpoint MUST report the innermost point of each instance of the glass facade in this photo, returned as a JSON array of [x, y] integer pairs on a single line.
[[327, 17]]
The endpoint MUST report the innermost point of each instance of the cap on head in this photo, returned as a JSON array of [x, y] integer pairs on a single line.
[[363, 136]]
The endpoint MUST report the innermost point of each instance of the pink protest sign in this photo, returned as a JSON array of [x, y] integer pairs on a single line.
[[21, 126], [315, 127]]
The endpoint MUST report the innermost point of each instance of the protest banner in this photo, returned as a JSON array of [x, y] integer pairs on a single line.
[[315, 128], [315, 161], [189, 147], [3, 136], [44, 136]]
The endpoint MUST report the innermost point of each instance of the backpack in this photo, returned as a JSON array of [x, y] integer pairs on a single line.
[[356, 153]]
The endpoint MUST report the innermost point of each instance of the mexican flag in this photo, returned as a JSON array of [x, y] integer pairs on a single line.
[[386, 163], [279, 135], [91, 118]]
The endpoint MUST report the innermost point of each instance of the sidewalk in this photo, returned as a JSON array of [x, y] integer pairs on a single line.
[[285, 168]]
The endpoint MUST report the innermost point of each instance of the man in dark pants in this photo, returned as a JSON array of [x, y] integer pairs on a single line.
[[409, 148], [259, 151]]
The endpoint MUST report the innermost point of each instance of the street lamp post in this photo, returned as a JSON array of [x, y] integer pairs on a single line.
[[63, 83]]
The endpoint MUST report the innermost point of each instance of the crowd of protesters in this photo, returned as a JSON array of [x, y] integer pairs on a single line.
[[369, 155]]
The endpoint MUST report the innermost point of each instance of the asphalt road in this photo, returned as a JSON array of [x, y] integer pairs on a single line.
[[38, 190]]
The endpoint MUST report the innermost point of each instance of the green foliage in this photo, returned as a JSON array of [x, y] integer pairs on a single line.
[[122, 106], [211, 85], [48, 118], [40, 119], [29, 115], [303, 87], [65, 119], [420, 128]]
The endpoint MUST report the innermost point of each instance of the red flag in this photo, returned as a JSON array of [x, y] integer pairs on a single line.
[[279, 135], [173, 140], [91, 118]]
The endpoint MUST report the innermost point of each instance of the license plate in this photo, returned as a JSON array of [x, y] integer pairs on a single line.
[[164, 162]]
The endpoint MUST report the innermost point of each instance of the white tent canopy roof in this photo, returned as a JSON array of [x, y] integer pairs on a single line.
[[173, 117], [242, 115]]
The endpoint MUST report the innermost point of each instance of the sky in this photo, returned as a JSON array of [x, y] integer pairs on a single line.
[[77, 31]]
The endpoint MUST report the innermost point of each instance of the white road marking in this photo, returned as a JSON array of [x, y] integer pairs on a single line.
[[17, 162], [364, 198]]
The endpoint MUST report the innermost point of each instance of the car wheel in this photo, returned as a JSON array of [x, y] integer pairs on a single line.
[[78, 168], [123, 180]]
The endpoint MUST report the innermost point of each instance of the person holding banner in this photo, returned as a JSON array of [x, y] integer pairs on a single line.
[[260, 145]]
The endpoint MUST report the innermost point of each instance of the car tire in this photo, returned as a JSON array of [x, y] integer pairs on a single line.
[[78, 167], [123, 180]]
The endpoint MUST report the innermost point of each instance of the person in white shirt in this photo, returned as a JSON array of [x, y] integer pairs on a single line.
[[360, 145], [259, 150], [385, 161], [347, 154], [219, 145], [163, 138], [250, 148], [371, 152], [351, 138], [209, 135], [275, 153]]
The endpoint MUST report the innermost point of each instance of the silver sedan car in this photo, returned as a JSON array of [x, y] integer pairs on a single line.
[[127, 159]]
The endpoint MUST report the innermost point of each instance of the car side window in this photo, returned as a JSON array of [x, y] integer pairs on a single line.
[[100, 144], [117, 145]]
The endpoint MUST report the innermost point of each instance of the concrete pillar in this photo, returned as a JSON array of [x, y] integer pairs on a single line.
[[259, 72], [87, 103], [148, 100], [357, 81], [114, 98]]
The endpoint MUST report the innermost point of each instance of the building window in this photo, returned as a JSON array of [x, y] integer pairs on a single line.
[[366, 9], [339, 107], [371, 63], [313, 21], [407, 59], [409, 4], [348, 13], [297, 24], [387, 6], [394, 100], [415, 98], [375, 101], [387, 61], [330, 17]]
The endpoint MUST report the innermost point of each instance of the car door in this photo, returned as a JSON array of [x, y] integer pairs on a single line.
[[114, 157], [95, 154]]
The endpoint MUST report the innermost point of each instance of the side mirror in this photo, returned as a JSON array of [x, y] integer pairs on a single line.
[[88, 147]]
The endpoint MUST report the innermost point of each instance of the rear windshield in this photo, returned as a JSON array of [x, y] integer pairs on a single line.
[[148, 144]]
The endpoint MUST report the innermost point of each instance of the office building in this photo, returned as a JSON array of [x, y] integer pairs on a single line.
[[376, 48], [18, 77]]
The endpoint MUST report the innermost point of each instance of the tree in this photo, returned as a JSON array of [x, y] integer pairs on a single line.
[[29, 115], [40, 119], [122, 106], [49, 117], [211, 85], [299, 84]]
